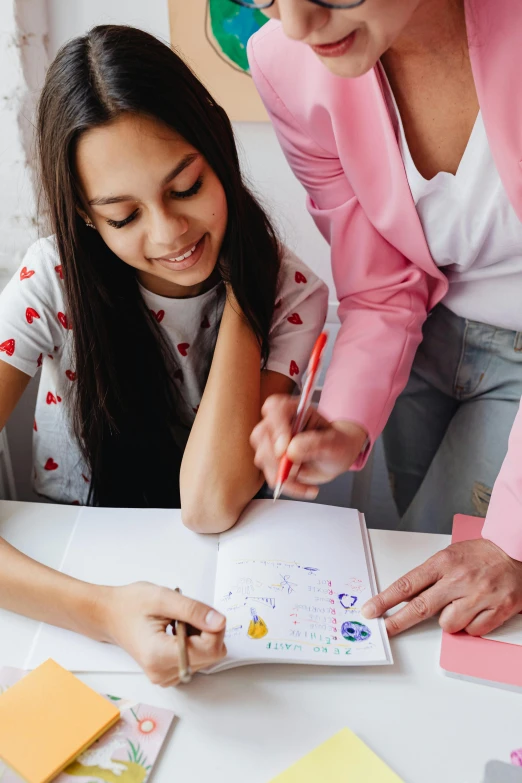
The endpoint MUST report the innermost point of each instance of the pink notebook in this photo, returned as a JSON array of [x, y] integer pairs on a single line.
[[471, 656]]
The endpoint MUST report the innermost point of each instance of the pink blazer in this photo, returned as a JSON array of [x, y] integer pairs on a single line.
[[340, 142]]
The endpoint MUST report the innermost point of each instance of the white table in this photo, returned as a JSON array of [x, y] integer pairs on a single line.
[[250, 724]]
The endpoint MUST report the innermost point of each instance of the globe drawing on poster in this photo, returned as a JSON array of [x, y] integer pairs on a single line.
[[228, 28]]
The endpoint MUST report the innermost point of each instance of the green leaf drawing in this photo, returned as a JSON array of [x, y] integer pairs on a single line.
[[137, 755]]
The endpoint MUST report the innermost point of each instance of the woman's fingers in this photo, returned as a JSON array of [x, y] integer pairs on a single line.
[[422, 607], [474, 584], [459, 614], [405, 588], [278, 414], [484, 622]]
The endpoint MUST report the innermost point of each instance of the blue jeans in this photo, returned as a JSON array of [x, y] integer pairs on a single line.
[[448, 433]]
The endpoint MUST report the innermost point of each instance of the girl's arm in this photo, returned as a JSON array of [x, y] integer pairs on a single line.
[[127, 616], [218, 476]]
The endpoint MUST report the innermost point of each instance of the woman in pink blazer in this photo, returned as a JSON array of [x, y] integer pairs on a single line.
[[403, 121]]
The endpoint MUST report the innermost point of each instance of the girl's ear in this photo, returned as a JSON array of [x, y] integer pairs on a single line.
[[85, 217]]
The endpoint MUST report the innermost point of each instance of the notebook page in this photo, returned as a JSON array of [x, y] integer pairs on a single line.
[[510, 632], [291, 579], [118, 547]]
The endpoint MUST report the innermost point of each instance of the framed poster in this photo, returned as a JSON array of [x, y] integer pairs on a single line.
[[211, 35]]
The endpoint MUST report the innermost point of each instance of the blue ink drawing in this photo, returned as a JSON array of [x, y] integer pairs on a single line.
[[269, 601], [343, 600], [310, 569], [284, 584], [355, 632]]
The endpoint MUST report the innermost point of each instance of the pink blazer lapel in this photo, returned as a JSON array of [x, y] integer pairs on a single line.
[[372, 161]]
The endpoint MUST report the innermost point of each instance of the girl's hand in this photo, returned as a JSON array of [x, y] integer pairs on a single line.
[[320, 453], [136, 617], [474, 585]]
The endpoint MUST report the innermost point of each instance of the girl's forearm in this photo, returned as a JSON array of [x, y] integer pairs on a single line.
[[34, 590], [218, 476]]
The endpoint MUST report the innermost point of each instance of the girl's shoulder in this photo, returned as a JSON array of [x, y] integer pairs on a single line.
[[297, 281], [40, 273], [33, 318]]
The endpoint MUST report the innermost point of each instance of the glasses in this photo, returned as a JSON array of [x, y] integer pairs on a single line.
[[331, 4]]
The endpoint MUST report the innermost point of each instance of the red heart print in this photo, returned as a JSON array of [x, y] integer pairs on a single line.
[[50, 356], [30, 315], [59, 271], [71, 375], [294, 369], [63, 320], [55, 348], [58, 398], [183, 348], [50, 399], [39, 361], [35, 428], [179, 375], [26, 273], [278, 304], [85, 479], [300, 278], [295, 318], [159, 316], [8, 347], [50, 464], [205, 323]]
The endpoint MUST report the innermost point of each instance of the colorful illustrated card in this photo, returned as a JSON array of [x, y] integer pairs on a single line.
[[124, 754]]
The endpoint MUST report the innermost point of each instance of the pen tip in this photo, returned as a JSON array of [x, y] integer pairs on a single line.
[[277, 491]]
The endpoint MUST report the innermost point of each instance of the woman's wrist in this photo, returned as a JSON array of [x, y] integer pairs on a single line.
[[357, 435]]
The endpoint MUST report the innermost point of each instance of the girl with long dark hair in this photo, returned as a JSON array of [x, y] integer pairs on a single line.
[[163, 312]]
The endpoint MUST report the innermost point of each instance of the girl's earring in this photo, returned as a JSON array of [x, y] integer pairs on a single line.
[[90, 225]]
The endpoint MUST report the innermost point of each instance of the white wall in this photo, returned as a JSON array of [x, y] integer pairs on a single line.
[[23, 38]]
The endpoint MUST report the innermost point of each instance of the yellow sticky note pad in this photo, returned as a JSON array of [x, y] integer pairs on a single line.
[[342, 759], [47, 719]]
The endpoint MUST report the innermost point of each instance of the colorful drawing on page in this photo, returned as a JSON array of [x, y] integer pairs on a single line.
[[126, 753], [355, 585], [245, 586], [284, 584], [347, 601], [267, 601], [516, 757], [257, 628], [227, 596], [355, 632], [310, 569]]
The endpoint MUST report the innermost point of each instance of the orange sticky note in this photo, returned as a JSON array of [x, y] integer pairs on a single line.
[[47, 719]]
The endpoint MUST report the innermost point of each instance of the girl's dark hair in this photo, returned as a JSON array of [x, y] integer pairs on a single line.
[[125, 406]]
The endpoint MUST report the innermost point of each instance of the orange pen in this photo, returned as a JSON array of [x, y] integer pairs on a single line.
[[309, 383]]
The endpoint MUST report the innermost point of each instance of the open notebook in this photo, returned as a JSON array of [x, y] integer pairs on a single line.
[[290, 577]]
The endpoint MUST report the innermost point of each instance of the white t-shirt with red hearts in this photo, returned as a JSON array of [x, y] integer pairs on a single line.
[[35, 332]]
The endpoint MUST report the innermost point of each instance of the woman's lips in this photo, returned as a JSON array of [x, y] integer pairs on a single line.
[[186, 263], [336, 49]]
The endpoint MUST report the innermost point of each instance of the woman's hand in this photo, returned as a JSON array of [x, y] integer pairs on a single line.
[[473, 584], [136, 617], [320, 453]]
